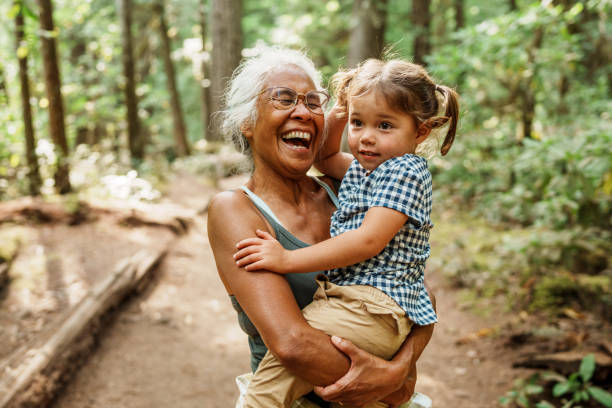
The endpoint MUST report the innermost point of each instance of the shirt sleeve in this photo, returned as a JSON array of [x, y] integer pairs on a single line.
[[401, 188]]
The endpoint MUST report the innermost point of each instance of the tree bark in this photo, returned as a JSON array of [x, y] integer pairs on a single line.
[[459, 14], [227, 47], [4, 96], [24, 81], [135, 141], [368, 23], [529, 96], [421, 20], [512, 4], [205, 69], [180, 133], [53, 84]]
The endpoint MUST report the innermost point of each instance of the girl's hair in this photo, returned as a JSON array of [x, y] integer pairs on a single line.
[[248, 80], [407, 87]]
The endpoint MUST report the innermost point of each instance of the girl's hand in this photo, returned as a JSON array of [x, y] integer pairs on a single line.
[[263, 253], [368, 379]]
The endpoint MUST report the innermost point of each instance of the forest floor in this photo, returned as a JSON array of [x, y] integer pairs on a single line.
[[179, 344]]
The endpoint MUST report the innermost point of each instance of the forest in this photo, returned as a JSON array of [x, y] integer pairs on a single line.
[[105, 106]]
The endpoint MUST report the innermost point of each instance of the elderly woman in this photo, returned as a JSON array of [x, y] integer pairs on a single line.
[[275, 115]]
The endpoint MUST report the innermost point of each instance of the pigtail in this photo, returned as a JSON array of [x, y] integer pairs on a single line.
[[451, 101], [341, 82]]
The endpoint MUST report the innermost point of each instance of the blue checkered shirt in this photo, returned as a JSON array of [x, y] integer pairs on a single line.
[[402, 184]]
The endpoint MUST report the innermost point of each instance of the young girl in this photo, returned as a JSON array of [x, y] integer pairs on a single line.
[[373, 291]]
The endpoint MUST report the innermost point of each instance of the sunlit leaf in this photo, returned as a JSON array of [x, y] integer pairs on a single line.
[[601, 395], [587, 367]]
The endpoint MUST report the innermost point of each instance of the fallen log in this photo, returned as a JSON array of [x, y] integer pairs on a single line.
[[34, 210], [568, 362], [3, 275], [32, 377]]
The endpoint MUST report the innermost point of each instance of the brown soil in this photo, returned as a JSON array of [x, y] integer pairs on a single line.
[[179, 344]]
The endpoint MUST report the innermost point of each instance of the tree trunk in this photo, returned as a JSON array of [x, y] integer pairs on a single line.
[[135, 142], [512, 4], [529, 95], [227, 48], [459, 14], [4, 96], [421, 20], [368, 23], [57, 128], [180, 133], [205, 69], [24, 81]]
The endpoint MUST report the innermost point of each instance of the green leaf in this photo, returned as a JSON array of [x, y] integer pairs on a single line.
[[544, 404], [561, 388], [13, 11], [587, 367], [29, 13], [532, 389], [601, 395]]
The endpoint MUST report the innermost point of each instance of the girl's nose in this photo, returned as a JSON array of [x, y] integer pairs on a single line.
[[367, 137]]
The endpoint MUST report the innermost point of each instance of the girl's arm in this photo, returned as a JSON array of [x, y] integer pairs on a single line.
[[379, 226], [331, 161]]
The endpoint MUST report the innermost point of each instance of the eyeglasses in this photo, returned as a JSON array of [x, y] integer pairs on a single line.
[[287, 98]]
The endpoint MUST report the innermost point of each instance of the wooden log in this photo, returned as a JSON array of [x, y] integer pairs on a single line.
[[3, 275], [31, 377], [568, 362], [34, 210]]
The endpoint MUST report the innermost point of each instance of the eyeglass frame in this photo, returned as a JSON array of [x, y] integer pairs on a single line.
[[297, 98]]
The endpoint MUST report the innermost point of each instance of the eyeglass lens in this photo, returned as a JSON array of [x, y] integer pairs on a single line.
[[286, 98]]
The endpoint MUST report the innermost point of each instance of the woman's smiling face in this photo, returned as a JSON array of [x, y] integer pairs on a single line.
[[285, 139]]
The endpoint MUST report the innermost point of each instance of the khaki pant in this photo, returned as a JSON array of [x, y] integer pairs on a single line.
[[368, 317]]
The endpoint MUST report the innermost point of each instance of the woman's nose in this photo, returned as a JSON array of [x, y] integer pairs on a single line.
[[300, 111]]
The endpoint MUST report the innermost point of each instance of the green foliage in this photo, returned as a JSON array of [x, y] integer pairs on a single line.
[[571, 391]]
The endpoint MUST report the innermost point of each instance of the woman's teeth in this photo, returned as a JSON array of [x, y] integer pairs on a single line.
[[297, 135]]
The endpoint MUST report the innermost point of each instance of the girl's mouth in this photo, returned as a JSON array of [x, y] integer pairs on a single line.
[[297, 138]]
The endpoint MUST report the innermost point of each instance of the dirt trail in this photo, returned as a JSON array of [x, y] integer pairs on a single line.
[[179, 345]]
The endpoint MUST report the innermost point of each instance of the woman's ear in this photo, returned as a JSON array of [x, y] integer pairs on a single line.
[[247, 130], [422, 132]]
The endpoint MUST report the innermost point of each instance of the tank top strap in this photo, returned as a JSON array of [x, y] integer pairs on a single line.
[[330, 192]]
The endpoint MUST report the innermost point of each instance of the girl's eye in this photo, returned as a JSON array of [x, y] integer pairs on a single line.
[[356, 123], [385, 125]]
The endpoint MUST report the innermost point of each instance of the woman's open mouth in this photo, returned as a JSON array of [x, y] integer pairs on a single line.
[[297, 139]]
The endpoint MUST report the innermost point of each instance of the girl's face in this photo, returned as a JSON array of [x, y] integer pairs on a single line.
[[378, 133], [285, 140]]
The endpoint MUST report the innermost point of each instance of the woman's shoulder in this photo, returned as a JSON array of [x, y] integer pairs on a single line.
[[230, 206]]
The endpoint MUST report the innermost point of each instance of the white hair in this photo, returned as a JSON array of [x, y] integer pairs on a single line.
[[248, 80]]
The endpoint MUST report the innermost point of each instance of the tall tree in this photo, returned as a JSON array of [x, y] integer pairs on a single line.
[[135, 140], [181, 145], [459, 14], [53, 85], [204, 70], [421, 21], [24, 82], [4, 96], [368, 23], [227, 47], [528, 94]]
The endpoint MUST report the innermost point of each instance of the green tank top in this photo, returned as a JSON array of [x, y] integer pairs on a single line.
[[302, 285]]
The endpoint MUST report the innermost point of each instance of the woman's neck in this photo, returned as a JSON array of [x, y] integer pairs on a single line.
[[273, 186]]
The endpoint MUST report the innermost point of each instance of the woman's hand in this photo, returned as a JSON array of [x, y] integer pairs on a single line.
[[368, 379], [263, 253]]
